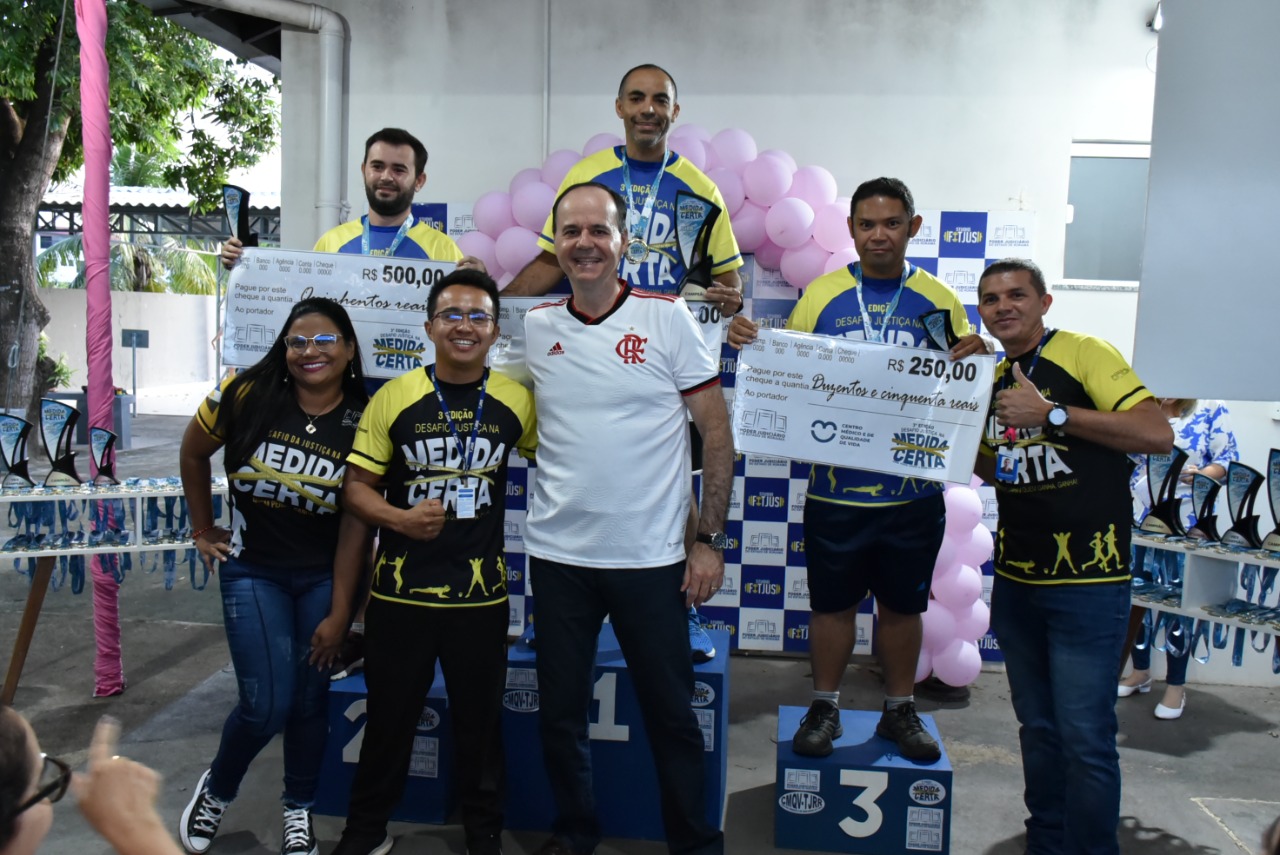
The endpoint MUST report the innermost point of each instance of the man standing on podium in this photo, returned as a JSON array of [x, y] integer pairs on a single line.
[[616, 373]]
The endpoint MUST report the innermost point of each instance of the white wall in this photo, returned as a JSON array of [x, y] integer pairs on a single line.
[[181, 328]]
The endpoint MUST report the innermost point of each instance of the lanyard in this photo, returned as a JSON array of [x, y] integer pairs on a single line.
[[640, 226], [395, 242], [867, 332], [467, 451]]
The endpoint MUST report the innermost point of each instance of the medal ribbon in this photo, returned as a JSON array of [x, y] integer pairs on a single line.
[[1012, 433], [395, 242], [467, 451], [867, 331], [639, 226]]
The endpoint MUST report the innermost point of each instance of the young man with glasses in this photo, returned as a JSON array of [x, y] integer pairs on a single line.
[[429, 469]]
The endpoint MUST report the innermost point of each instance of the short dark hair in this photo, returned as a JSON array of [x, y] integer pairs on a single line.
[[16, 771], [1013, 265], [468, 276], [399, 136], [891, 187], [649, 66], [619, 204]]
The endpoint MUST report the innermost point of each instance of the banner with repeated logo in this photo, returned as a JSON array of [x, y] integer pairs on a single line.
[[899, 410], [386, 298]]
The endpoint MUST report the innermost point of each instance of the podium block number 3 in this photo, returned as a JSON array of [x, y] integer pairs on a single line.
[[873, 785]]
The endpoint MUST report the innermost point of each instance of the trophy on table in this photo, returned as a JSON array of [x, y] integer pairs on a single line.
[[1163, 472], [1271, 542], [1204, 495], [101, 449], [236, 200], [57, 427], [13, 452], [1243, 483], [937, 325], [695, 217]]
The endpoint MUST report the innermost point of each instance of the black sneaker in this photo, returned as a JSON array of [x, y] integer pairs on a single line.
[[820, 725], [350, 845], [903, 726], [351, 658], [484, 844], [201, 818], [299, 834]]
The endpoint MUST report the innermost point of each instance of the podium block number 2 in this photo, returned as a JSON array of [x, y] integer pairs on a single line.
[[873, 785]]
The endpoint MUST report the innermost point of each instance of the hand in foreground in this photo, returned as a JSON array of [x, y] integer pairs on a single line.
[[742, 331], [703, 575], [729, 300], [232, 249], [214, 545], [326, 641], [1022, 405], [118, 797], [470, 261], [423, 521], [968, 346]]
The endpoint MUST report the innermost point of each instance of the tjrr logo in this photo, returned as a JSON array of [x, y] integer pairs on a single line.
[[521, 700], [964, 234], [801, 803], [397, 353], [920, 450], [631, 349]]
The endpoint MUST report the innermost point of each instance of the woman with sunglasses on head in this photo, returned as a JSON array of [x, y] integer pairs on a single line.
[[286, 426], [116, 795]]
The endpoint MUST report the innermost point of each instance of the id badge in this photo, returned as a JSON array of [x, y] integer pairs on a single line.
[[1007, 465], [466, 503]]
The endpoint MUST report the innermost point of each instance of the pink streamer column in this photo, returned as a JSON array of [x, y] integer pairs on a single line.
[[91, 25]]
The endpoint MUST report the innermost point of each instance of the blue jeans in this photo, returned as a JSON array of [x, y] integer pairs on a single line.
[[270, 614], [649, 617], [1062, 646], [1172, 564]]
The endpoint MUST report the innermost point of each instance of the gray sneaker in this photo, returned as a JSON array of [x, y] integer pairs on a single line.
[[819, 727]]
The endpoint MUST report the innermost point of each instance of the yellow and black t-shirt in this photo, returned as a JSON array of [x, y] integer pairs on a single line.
[[285, 499], [405, 437], [1067, 517]]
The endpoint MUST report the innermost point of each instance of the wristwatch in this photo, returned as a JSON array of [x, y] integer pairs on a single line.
[[717, 540], [1058, 417]]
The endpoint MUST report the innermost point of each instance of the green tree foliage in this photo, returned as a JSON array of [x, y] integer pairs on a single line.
[[163, 78]]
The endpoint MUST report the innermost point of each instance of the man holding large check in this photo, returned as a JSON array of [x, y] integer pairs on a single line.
[[867, 531]]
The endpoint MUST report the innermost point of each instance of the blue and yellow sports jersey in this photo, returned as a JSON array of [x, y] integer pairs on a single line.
[[829, 306], [421, 241], [662, 270]]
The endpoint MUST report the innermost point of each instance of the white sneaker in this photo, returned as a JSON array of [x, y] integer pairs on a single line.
[[201, 818]]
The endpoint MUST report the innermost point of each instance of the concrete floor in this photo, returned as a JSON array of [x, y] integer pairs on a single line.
[[1202, 784]]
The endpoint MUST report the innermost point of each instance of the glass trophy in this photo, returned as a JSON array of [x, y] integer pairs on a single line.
[[13, 452], [1271, 542], [1243, 483], [937, 325], [1204, 496], [694, 218], [1163, 472], [102, 443], [57, 427]]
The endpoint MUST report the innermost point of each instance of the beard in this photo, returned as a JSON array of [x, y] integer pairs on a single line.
[[397, 204]]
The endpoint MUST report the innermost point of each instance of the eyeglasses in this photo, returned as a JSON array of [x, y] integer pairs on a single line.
[[453, 317], [324, 342], [55, 777]]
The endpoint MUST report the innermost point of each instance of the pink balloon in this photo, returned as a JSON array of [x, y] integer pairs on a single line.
[[523, 177], [768, 253], [948, 555], [959, 664], [695, 131], [515, 248], [599, 143], [505, 280], [938, 627], [766, 180], [802, 265], [781, 155], [691, 149], [789, 223], [975, 482], [713, 158], [831, 227], [973, 623], [731, 189], [557, 166], [958, 591], [978, 548], [735, 148], [924, 665], [964, 511], [814, 185], [531, 204], [482, 247], [840, 259], [491, 213], [748, 224]]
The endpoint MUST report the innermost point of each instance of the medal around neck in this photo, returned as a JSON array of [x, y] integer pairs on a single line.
[[1163, 472], [1204, 495], [636, 251], [102, 443], [1271, 542], [937, 325], [1243, 483], [695, 217], [13, 452], [57, 427]]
